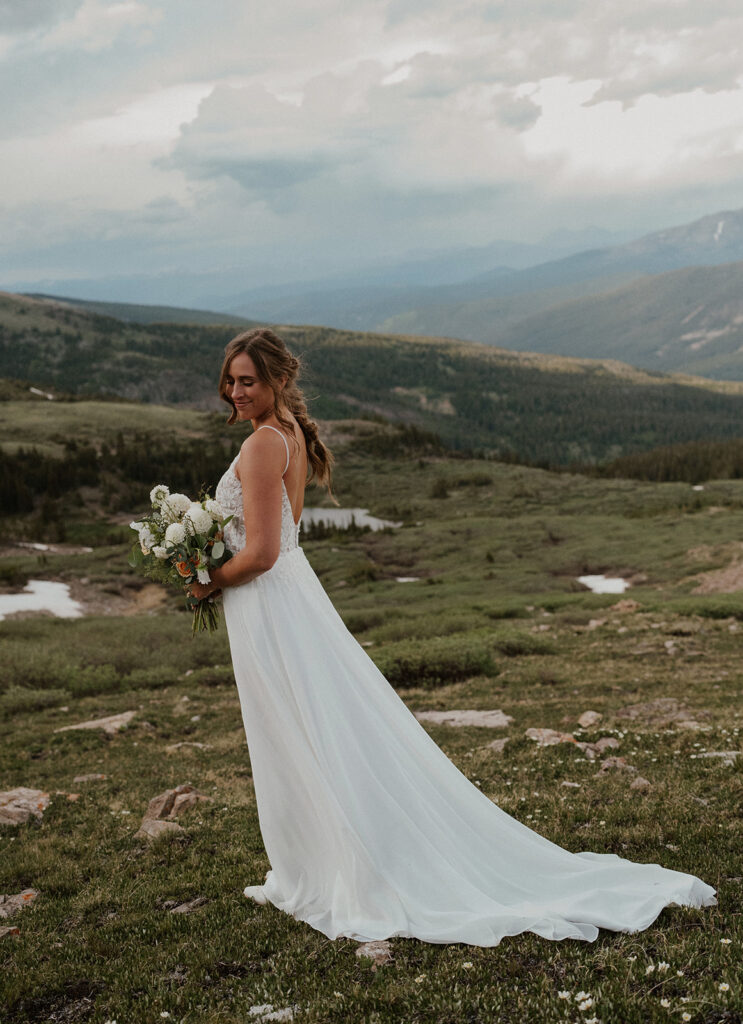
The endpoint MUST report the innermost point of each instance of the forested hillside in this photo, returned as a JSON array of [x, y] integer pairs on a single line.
[[537, 408]]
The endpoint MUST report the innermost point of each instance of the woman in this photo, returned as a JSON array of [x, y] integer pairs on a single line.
[[371, 831]]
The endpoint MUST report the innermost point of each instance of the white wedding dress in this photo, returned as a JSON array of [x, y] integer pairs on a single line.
[[371, 831]]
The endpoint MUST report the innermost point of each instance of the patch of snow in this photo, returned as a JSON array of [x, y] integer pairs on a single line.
[[42, 596], [604, 584]]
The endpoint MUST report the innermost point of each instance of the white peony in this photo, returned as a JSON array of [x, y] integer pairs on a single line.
[[160, 552], [215, 510], [199, 518], [175, 534], [159, 493], [179, 502]]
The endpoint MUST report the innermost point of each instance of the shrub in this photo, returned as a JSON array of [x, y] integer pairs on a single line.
[[435, 661], [18, 699]]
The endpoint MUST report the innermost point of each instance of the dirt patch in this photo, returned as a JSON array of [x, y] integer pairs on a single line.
[[721, 581]]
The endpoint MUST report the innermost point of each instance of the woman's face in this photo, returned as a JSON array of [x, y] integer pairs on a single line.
[[252, 399]]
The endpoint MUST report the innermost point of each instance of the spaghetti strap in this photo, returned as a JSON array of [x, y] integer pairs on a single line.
[[286, 443]]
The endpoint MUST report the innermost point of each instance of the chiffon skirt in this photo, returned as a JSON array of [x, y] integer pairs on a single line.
[[370, 830]]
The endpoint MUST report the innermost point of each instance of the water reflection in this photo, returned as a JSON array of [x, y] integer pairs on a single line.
[[343, 518]]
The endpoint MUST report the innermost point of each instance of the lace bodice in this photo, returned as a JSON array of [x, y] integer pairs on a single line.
[[229, 494]]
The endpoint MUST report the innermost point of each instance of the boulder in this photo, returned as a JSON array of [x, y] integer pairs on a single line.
[[625, 606], [17, 805], [589, 718], [615, 764], [640, 783], [497, 745], [92, 777], [549, 737], [10, 905], [110, 724], [378, 952], [485, 719], [151, 828]]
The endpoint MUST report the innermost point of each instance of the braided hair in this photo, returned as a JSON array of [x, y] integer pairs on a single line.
[[273, 361]]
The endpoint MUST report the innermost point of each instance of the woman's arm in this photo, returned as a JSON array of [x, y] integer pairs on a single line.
[[261, 463]]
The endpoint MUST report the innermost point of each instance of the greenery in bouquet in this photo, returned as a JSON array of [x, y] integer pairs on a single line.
[[178, 542]]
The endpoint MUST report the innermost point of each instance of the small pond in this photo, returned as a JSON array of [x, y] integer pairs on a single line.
[[42, 596], [604, 584], [342, 518]]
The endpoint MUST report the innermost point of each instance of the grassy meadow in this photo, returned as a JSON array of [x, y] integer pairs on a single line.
[[494, 618]]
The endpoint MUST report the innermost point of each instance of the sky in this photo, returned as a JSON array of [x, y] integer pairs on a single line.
[[150, 146]]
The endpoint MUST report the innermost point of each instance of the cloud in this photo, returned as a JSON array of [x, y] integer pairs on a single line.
[[347, 127]]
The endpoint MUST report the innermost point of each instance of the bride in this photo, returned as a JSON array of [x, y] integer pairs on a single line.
[[370, 830]]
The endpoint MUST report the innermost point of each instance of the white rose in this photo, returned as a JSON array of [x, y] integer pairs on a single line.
[[175, 534], [215, 510], [147, 539], [159, 493], [160, 552], [199, 518]]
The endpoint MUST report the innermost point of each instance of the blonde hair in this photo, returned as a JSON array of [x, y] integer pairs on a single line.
[[273, 361]]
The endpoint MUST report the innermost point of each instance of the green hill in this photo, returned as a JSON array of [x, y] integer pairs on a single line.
[[129, 312], [689, 321], [539, 408]]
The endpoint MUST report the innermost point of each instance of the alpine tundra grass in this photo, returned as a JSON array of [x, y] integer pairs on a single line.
[[491, 617]]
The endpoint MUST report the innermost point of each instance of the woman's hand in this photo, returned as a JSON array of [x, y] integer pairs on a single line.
[[201, 590]]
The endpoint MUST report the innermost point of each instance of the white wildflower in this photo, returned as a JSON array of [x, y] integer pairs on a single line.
[[723, 987], [685, 1016], [650, 968], [591, 1020], [164, 1013], [203, 575], [419, 979], [663, 966], [564, 994], [581, 995], [586, 1004], [632, 958], [159, 552], [338, 994], [175, 533], [467, 965], [726, 942], [159, 493], [679, 974], [665, 1003], [199, 518]]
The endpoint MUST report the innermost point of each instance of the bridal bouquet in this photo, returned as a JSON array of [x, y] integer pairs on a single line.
[[178, 542]]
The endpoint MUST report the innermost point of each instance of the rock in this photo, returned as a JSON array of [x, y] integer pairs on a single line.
[[497, 745], [110, 724], [170, 803], [187, 908], [572, 785], [615, 764], [661, 712], [266, 1012], [625, 606], [548, 737], [701, 800], [10, 905], [596, 623], [728, 756], [17, 805], [151, 828], [485, 719], [92, 777], [589, 718], [378, 952], [591, 750], [640, 783], [187, 743], [10, 930]]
